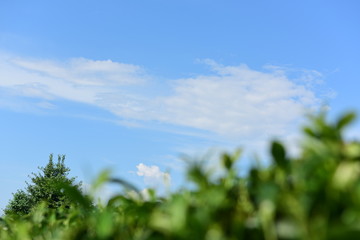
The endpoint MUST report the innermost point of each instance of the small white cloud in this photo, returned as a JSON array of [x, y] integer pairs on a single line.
[[153, 176]]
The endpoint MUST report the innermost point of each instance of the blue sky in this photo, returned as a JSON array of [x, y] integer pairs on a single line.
[[132, 85]]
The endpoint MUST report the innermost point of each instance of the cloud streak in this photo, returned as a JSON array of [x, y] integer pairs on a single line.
[[232, 101], [78, 79]]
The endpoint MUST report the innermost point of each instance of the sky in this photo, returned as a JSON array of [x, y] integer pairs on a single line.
[[132, 86]]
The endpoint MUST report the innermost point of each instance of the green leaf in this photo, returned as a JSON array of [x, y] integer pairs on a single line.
[[345, 120], [279, 154]]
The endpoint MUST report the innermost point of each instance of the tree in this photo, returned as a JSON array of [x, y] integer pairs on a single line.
[[44, 188]]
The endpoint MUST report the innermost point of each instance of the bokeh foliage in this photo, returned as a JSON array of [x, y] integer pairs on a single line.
[[315, 195]]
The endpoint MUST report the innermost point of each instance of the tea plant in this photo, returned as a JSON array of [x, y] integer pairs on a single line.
[[315, 195]]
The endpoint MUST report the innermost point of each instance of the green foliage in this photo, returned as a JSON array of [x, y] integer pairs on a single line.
[[20, 204], [44, 188], [315, 195]]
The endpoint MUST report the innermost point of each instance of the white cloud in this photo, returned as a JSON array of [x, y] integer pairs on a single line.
[[234, 102], [79, 79], [153, 176], [237, 101]]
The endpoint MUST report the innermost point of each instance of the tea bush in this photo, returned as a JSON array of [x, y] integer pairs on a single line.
[[315, 195]]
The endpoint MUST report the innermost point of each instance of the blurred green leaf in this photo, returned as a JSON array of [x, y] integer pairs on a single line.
[[279, 154], [345, 120]]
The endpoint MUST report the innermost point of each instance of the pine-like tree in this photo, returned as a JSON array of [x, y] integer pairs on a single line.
[[44, 188]]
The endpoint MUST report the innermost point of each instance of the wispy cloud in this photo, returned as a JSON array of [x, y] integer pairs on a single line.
[[238, 101], [232, 101], [79, 79]]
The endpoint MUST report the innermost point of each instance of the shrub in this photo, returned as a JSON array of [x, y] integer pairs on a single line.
[[313, 196]]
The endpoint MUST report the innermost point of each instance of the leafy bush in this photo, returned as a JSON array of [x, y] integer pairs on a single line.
[[313, 196]]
